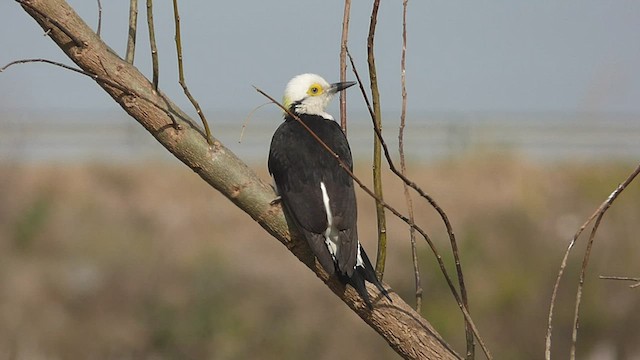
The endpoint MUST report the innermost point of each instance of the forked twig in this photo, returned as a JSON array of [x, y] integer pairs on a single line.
[[599, 213], [587, 254], [182, 82], [399, 215]]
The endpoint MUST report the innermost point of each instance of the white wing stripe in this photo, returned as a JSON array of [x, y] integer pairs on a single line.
[[330, 235]]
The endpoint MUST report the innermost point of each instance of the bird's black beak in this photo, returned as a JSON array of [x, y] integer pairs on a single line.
[[339, 86]]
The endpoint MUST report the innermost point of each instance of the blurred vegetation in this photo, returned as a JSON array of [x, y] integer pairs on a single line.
[[147, 261]]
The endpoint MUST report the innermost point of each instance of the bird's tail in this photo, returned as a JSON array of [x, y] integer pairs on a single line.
[[367, 273]]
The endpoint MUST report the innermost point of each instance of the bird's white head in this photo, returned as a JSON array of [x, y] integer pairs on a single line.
[[310, 94]]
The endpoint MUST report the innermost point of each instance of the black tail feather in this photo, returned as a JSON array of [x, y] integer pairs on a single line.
[[368, 273], [357, 281]]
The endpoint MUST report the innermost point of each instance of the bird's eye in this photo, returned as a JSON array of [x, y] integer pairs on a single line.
[[314, 89]]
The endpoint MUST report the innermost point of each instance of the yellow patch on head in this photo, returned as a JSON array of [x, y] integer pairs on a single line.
[[315, 89]]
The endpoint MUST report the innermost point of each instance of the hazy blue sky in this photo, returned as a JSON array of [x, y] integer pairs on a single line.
[[569, 56]]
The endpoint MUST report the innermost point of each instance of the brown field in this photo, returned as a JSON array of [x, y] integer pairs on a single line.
[[148, 262]]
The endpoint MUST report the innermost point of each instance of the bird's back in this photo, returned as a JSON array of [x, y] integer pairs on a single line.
[[298, 180]]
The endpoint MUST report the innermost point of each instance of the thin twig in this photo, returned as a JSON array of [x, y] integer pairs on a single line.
[[454, 245], [598, 213], [246, 121], [79, 43], [377, 157], [403, 165], [99, 79], [587, 254], [583, 271], [182, 82], [64, 66], [343, 64], [133, 28], [360, 85], [152, 42], [99, 18], [430, 200], [405, 219], [554, 293], [625, 278]]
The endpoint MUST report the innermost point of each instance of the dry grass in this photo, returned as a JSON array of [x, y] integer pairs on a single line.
[[135, 261]]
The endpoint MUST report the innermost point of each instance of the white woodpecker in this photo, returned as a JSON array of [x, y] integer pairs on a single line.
[[317, 194]]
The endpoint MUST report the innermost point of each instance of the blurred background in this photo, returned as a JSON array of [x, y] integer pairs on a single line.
[[522, 119]]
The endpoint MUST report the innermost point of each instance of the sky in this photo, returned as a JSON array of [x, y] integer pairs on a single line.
[[573, 56]]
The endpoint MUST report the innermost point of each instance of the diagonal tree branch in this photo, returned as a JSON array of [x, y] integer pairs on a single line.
[[407, 332]]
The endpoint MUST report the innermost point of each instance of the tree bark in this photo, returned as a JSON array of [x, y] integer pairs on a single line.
[[406, 331]]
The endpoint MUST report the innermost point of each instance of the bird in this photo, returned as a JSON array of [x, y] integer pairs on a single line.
[[316, 192]]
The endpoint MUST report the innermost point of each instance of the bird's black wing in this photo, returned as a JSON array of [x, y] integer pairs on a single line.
[[298, 163]]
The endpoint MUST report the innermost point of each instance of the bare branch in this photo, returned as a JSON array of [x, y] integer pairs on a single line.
[[152, 43], [377, 157], [25, 61], [183, 83], [99, 18], [133, 28], [624, 278], [343, 64], [403, 165], [454, 245]]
